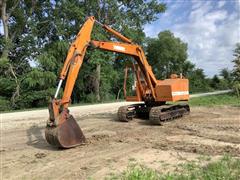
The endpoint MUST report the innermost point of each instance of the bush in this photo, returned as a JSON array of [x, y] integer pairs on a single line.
[[4, 104], [90, 98]]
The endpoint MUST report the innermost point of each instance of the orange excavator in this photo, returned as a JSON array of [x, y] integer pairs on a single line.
[[63, 131]]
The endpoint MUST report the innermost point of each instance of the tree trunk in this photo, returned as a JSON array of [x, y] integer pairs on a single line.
[[4, 19], [16, 94], [118, 94], [5, 28], [97, 82]]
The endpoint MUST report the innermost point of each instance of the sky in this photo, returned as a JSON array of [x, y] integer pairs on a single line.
[[211, 28]]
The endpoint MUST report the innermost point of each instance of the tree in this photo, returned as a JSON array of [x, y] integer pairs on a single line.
[[215, 82], [167, 54], [227, 78], [15, 46], [198, 81], [236, 61], [39, 83], [122, 16], [38, 35], [236, 69], [226, 74]]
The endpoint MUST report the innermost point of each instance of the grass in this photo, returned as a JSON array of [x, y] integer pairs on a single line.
[[216, 100], [227, 168]]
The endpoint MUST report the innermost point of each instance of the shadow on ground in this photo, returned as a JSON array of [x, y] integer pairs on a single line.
[[36, 139]]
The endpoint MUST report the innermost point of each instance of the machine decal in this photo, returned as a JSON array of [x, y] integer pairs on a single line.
[[179, 93], [119, 48]]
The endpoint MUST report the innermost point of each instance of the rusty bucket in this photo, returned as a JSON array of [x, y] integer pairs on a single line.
[[66, 134]]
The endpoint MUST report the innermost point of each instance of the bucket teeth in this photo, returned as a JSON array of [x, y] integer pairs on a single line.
[[67, 134]]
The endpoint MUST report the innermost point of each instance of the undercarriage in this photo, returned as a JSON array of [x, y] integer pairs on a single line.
[[156, 115]]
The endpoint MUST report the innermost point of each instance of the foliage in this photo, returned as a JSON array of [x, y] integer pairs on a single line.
[[198, 81], [4, 103], [38, 39], [236, 61], [216, 100], [227, 76], [226, 168], [167, 54], [236, 70], [220, 83]]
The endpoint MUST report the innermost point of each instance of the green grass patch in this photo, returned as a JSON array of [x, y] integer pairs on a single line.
[[136, 172], [227, 168], [216, 100]]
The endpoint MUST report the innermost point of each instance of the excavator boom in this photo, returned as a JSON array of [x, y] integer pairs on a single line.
[[63, 131]]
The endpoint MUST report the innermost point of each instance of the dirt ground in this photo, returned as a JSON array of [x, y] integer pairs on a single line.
[[111, 146]]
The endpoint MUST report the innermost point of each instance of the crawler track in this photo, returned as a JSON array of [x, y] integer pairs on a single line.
[[161, 114], [126, 113], [156, 115]]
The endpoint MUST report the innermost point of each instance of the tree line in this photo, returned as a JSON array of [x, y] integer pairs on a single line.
[[37, 35]]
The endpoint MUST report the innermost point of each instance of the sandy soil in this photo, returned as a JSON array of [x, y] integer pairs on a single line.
[[112, 146]]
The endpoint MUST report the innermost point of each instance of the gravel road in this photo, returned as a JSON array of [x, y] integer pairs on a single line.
[[78, 110]]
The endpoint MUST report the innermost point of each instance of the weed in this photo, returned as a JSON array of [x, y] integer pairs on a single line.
[[227, 168]]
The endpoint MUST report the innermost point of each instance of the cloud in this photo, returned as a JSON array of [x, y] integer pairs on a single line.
[[221, 4], [211, 33]]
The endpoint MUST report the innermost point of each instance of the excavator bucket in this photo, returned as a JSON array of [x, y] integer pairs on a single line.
[[66, 134]]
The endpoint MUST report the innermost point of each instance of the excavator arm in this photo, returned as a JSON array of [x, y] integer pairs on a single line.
[[62, 129], [77, 51]]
